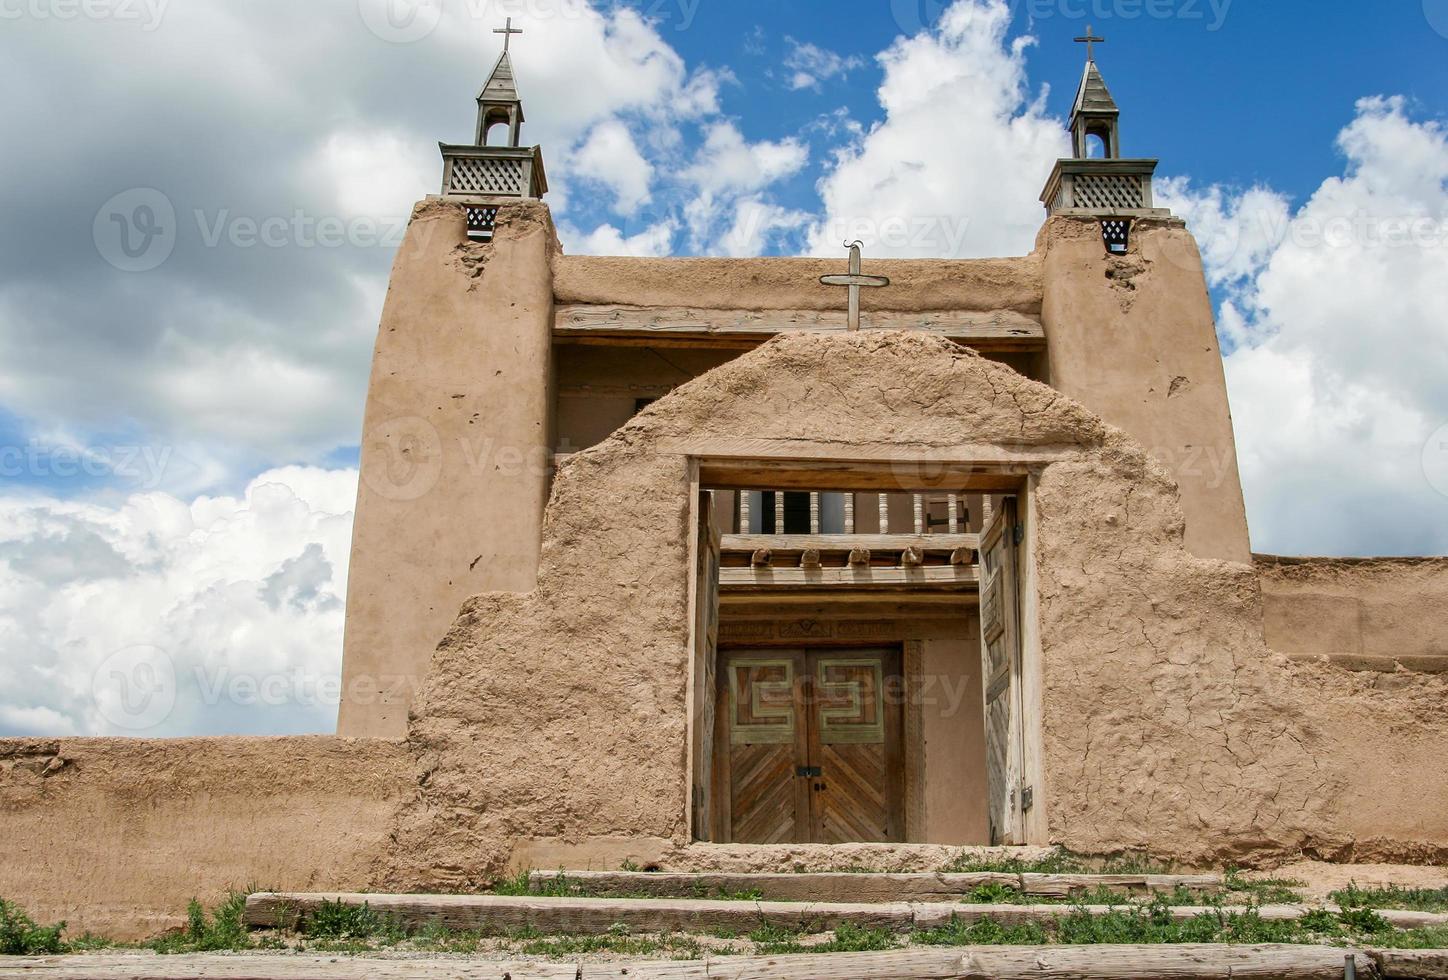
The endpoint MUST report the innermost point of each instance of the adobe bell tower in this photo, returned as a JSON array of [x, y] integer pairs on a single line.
[[494, 170], [1130, 325], [1105, 186]]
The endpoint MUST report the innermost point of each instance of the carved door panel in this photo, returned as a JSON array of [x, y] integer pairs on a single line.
[[856, 722], [1001, 671], [763, 698], [810, 747]]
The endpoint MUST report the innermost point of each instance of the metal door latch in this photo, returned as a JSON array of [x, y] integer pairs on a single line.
[[809, 772]]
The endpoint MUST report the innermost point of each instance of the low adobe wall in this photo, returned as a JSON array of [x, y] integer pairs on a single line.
[[116, 836], [1363, 613]]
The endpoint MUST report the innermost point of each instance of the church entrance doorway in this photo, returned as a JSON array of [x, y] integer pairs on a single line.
[[862, 659], [810, 747]]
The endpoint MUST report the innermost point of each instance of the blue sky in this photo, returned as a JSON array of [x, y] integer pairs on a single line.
[[180, 409]]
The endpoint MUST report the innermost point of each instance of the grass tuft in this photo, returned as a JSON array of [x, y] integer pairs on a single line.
[[20, 936], [1392, 897]]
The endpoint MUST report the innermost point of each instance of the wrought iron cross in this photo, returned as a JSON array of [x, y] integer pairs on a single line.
[[855, 281], [507, 31], [1090, 40]]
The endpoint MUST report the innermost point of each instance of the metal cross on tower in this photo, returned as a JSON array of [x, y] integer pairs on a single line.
[[1090, 40], [508, 31], [855, 281]]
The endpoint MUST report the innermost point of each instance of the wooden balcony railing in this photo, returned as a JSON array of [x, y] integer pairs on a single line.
[[879, 541]]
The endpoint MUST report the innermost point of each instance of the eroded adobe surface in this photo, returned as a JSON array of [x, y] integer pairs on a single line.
[[1166, 723]]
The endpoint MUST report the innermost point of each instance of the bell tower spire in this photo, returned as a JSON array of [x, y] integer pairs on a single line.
[[1104, 185], [1095, 112], [499, 101], [496, 167]]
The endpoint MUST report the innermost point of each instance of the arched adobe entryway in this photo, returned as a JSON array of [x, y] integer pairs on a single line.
[[573, 716]]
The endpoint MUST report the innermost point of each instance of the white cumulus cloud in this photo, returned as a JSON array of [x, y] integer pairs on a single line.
[[158, 616], [956, 167], [1337, 314]]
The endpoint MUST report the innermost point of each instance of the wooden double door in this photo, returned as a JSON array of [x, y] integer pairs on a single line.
[[809, 746]]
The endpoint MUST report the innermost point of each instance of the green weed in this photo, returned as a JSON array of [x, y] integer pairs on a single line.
[[20, 936], [984, 932], [1392, 897]]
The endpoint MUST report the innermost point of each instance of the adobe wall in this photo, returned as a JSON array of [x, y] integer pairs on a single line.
[[1133, 337], [456, 448], [468, 396], [115, 836], [1363, 613], [916, 285], [552, 730], [556, 720]]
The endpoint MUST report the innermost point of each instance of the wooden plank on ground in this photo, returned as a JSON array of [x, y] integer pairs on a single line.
[[992, 331], [1194, 962], [587, 916], [789, 887], [1163, 963], [143, 966], [1412, 964], [595, 916], [1064, 885]]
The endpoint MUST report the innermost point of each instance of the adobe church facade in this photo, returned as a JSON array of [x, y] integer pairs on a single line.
[[839, 620], [765, 564]]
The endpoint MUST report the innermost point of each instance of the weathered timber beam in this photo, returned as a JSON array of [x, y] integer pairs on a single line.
[[996, 331], [828, 886], [1183, 962], [945, 577], [784, 543], [586, 916]]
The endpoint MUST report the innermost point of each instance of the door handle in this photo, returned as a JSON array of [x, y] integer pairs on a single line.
[[809, 772]]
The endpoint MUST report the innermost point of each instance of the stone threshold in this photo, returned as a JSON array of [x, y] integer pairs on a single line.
[[860, 887], [597, 916], [1185, 962]]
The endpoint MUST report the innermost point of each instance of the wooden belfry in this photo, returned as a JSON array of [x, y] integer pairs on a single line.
[[486, 175], [1108, 187]]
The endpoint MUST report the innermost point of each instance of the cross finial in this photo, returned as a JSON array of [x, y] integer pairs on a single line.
[[507, 31], [1090, 40], [854, 281]]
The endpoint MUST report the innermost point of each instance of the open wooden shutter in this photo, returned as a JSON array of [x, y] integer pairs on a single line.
[[1001, 671], [706, 661]]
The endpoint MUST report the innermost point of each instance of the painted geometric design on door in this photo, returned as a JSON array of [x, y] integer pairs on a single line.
[[851, 699], [761, 702], [838, 777]]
